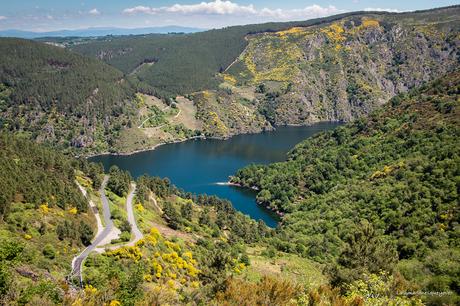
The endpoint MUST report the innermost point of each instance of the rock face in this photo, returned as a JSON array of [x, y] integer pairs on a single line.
[[343, 70]]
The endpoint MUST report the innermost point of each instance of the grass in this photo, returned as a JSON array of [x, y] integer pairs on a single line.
[[117, 207], [287, 266], [146, 217]]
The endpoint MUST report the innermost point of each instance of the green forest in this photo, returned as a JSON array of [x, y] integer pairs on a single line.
[[380, 193], [368, 212], [60, 97], [177, 57], [44, 219]]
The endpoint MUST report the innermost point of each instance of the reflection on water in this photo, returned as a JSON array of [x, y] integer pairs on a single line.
[[199, 165]]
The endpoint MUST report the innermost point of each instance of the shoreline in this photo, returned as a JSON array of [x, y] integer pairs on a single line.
[[151, 148], [278, 213], [202, 137]]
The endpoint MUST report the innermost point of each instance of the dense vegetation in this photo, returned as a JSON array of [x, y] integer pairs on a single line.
[[60, 97], [35, 175], [249, 78], [369, 210], [177, 57], [245, 78], [343, 70], [397, 170], [207, 260], [43, 220], [119, 181]]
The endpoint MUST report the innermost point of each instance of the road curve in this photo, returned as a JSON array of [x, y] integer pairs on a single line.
[[131, 219], [77, 262]]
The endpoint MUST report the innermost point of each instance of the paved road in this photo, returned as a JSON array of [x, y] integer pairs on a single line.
[[131, 219], [78, 261], [94, 209]]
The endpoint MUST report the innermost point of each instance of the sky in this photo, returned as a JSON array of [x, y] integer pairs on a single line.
[[50, 15]]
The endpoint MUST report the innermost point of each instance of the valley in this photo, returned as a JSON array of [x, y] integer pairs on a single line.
[[312, 162]]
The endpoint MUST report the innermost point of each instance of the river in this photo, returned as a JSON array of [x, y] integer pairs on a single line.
[[201, 166]]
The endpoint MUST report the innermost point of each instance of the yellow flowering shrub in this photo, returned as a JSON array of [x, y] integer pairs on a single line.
[[131, 252], [139, 207], [170, 283], [195, 284], [229, 78], [378, 290], [334, 32], [148, 278], [44, 209], [89, 289], [370, 23], [154, 232], [291, 31], [166, 264], [172, 246]]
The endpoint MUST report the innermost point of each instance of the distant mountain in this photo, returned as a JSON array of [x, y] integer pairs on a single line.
[[90, 32]]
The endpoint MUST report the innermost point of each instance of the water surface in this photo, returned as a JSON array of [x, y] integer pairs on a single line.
[[199, 165]]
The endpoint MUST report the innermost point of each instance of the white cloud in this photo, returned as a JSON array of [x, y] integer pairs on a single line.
[[140, 9], [49, 17], [217, 7], [307, 12], [94, 11], [378, 9], [226, 7], [3, 17]]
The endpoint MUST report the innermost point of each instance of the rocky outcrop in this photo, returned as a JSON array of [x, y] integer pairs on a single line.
[[346, 69]]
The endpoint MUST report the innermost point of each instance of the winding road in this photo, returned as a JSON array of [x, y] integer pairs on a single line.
[[131, 219], [77, 262], [106, 234]]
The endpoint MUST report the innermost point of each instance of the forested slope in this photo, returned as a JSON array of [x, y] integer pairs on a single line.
[[61, 97], [44, 221], [397, 170], [183, 63], [334, 71], [248, 78]]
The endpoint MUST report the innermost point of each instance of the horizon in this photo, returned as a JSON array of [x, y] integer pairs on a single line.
[[104, 28], [52, 16]]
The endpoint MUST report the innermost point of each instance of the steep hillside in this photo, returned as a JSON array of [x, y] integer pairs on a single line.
[[391, 179], [192, 250], [44, 221], [181, 63], [241, 79], [335, 68], [60, 97], [347, 68]]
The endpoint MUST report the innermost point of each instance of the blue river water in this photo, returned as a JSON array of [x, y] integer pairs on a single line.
[[198, 166]]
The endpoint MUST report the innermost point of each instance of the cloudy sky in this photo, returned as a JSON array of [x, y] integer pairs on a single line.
[[47, 15]]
